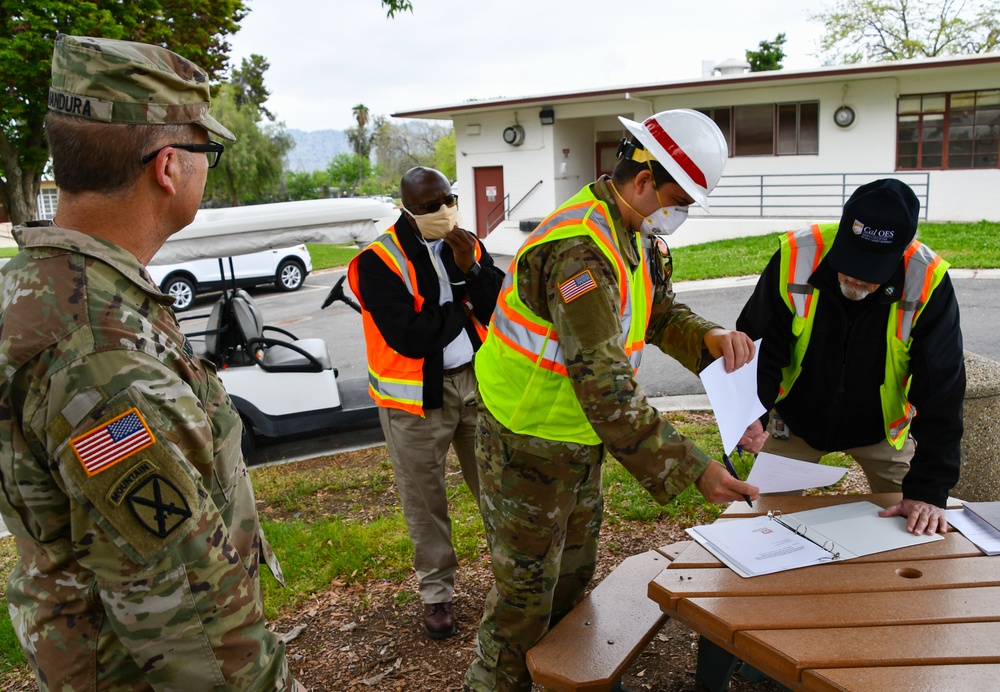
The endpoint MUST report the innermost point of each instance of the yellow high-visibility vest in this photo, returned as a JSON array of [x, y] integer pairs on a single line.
[[521, 370], [801, 252]]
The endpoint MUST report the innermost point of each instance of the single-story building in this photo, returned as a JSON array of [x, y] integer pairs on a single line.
[[800, 141]]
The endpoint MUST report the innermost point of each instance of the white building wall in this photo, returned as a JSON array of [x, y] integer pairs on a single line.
[[866, 148]]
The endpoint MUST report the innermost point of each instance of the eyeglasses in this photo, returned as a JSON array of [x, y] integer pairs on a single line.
[[434, 205], [213, 150]]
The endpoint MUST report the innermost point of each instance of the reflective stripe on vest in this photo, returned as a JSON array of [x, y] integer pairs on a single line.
[[801, 252], [522, 367], [394, 380]]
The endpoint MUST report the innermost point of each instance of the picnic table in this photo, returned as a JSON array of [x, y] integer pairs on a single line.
[[920, 618]]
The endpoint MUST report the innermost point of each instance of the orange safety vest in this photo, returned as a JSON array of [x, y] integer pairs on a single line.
[[394, 380]]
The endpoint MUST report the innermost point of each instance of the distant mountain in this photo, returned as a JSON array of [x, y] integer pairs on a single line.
[[313, 151]]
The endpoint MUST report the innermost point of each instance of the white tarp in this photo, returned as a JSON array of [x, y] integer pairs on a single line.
[[242, 230]]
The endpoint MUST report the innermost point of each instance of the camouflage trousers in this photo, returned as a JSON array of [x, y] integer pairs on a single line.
[[542, 506]]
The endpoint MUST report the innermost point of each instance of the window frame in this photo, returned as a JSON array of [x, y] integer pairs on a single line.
[[924, 157]]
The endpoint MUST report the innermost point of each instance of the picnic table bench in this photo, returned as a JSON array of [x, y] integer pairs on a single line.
[[591, 648], [919, 618]]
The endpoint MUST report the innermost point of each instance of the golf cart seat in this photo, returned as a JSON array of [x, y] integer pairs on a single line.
[[289, 354]]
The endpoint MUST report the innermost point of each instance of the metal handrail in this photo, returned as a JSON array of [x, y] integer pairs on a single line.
[[800, 194], [504, 204]]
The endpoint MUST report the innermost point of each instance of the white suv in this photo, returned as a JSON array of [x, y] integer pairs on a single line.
[[286, 268]]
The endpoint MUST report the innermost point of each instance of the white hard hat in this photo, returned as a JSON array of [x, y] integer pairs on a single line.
[[688, 144]]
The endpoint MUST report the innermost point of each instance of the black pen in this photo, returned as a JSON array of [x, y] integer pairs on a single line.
[[732, 470]]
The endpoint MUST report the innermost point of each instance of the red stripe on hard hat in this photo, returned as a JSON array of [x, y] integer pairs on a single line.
[[676, 153]]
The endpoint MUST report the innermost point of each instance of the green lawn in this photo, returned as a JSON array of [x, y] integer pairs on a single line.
[[317, 549], [964, 245]]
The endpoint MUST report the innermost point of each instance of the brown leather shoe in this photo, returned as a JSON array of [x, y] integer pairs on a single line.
[[439, 623]]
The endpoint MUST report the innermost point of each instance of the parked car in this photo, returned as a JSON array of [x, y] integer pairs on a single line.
[[286, 268]]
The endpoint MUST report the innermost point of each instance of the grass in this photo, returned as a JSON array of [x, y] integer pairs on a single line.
[[327, 256], [964, 245], [351, 545], [11, 656]]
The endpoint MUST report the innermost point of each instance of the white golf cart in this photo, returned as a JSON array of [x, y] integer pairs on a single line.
[[280, 384]]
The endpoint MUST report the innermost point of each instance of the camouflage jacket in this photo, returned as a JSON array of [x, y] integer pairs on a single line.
[[663, 460], [124, 484]]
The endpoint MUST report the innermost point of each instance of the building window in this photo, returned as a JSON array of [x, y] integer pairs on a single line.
[[48, 202], [948, 131], [769, 129]]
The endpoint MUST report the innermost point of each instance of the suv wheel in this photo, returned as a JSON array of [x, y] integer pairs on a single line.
[[290, 275], [182, 290]]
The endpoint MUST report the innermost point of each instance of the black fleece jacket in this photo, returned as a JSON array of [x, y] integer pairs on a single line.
[[426, 333], [835, 403]]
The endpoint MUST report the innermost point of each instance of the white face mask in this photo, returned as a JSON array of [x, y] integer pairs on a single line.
[[436, 225], [664, 221]]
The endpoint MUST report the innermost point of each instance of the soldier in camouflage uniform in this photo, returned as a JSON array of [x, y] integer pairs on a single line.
[[123, 480], [557, 388]]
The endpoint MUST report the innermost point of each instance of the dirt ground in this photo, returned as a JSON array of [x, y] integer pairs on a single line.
[[340, 644], [356, 637]]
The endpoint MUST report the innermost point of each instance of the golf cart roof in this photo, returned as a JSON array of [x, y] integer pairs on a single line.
[[242, 230]]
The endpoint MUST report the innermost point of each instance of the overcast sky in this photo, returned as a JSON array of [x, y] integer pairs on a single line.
[[329, 55]]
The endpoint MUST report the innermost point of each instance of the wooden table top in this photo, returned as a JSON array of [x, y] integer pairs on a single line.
[[925, 617]]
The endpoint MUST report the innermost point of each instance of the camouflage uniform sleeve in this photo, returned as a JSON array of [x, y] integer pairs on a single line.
[[677, 331], [180, 597], [663, 460]]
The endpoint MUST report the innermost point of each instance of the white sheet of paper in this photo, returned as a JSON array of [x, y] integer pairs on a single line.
[[975, 529], [733, 396], [774, 474]]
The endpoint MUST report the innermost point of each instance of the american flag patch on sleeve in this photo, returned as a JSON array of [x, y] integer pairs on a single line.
[[106, 445], [577, 286]]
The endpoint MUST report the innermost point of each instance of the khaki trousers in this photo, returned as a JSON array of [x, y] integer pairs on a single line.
[[883, 464], [418, 447]]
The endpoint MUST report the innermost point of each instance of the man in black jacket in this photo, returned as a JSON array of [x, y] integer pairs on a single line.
[[427, 290], [862, 351]]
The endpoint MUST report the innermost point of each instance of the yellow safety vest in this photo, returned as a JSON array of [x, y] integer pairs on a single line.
[[801, 252], [394, 380], [521, 368]]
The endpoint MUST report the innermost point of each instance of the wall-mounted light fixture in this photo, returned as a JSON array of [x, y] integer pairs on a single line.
[[844, 116], [514, 135], [547, 115]]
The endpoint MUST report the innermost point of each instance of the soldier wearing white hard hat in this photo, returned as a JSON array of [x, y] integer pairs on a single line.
[[587, 290]]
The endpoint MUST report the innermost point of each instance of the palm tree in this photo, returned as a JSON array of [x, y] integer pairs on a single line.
[[360, 112], [360, 139]]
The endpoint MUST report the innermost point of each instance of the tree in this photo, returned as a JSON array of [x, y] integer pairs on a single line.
[[401, 145], [358, 136], [248, 83], [769, 56], [394, 6], [313, 185], [876, 30], [346, 171], [251, 167], [444, 155], [195, 29]]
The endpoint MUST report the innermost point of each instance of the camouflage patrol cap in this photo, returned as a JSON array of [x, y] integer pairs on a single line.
[[129, 83]]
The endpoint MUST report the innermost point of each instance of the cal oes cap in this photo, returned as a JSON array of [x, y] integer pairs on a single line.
[[129, 83]]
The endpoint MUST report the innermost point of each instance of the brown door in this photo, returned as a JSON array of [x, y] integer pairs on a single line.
[[607, 157], [490, 203]]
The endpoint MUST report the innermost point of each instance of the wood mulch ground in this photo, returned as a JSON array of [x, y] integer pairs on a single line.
[[356, 636]]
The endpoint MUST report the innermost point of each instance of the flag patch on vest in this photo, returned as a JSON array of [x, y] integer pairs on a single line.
[[577, 286], [109, 443]]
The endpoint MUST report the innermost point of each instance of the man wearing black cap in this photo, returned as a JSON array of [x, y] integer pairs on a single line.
[[862, 351]]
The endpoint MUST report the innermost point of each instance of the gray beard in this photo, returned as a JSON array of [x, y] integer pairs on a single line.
[[853, 292]]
